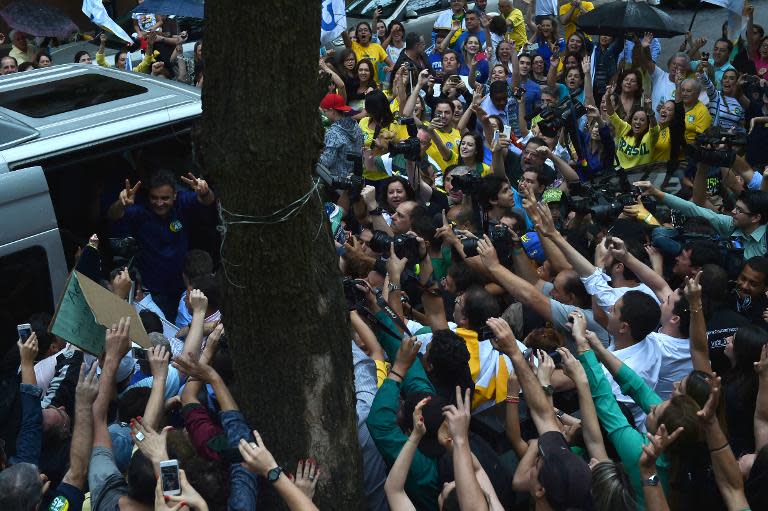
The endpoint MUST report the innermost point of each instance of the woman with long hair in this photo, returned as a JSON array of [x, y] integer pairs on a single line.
[[474, 62], [548, 40], [576, 45], [83, 57], [42, 59], [538, 69], [669, 146], [345, 63], [759, 57], [379, 121], [394, 42], [740, 384], [725, 105], [635, 139], [598, 144], [630, 92], [394, 191], [471, 153], [362, 85], [503, 56]]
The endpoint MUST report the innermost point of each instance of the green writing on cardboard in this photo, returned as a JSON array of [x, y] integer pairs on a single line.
[[75, 322]]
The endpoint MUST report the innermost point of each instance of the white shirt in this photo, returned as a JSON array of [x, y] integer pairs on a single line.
[[444, 20], [598, 286], [676, 361], [546, 8], [643, 358], [664, 89]]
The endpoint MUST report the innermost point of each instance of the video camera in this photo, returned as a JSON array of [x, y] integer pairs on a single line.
[[467, 183], [353, 183], [406, 245], [564, 114], [606, 200], [716, 146], [410, 148]]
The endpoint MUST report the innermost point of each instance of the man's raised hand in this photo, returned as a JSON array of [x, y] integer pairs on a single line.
[[198, 185], [128, 195]]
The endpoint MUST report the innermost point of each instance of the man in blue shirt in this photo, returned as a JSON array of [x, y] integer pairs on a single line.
[[160, 227]]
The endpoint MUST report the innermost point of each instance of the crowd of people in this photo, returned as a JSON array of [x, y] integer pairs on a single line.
[[159, 39], [554, 262]]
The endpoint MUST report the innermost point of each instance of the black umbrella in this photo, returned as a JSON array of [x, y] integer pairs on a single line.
[[618, 18]]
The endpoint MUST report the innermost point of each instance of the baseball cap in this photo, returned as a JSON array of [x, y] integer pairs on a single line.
[[532, 246], [333, 101], [566, 478], [125, 369]]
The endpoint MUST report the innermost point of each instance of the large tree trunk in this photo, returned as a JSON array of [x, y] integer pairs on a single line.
[[283, 303]]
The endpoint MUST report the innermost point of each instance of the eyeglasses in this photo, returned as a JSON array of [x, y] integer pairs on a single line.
[[739, 209]]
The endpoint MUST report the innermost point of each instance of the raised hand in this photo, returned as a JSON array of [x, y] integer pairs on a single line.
[[419, 428], [198, 185], [693, 288], [117, 342], [647, 39], [505, 340], [158, 358], [307, 474], [128, 195], [586, 64], [256, 457], [198, 302], [487, 252], [545, 368], [571, 366], [617, 249], [458, 416], [395, 265], [197, 369], [708, 414], [151, 443], [188, 499], [406, 355], [87, 386], [121, 284], [28, 349], [657, 444], [546, 227]]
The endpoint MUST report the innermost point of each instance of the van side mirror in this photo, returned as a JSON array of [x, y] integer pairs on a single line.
[[410, 15]]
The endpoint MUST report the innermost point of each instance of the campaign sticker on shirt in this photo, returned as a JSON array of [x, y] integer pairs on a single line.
[[176, 226], [762, 71], [449, 145], [60, 503], [691, 118]]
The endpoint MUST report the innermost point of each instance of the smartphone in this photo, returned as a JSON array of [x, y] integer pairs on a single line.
[[556, 357], [495, 137], [533, 47], [25, 330], [139, 353], [705, 55], [169, 472], [507, 130]]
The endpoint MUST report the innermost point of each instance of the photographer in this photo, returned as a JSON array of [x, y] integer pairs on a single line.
[[746, 223], [343, 137]]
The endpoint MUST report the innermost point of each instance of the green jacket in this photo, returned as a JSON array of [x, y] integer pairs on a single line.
[[754, 244], [423, 483], [626, 439]]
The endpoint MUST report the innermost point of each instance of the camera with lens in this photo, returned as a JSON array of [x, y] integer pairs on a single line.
[[352, 183], [604, 201], [356, 299], [553, 118], [406, 245], [716, 146], [410, 148], [467, 183], [500, 237]]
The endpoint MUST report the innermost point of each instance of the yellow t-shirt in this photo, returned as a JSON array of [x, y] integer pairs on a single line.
[[570, 28], [697, 120], [382, 371], [628, 153], [662, 149], [451, 141], [394, 129], [373, 52], [516, 28]]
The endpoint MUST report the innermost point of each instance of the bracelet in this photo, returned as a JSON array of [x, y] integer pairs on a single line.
[[719, 448], [512, 399], [392, 371], [696, 310], [650, 215]]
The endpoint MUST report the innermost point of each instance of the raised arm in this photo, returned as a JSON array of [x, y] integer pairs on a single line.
[[512, 422], [541, 411], [582, 335], [698, 328], [127, 198], [554, 62], [158, 362], [82, 434], [395, 485], [590, 425], [557, 260], [410, 103], [644, 272], [761, 406], [546, 228], [116, 347], [727, 474], [589, 95], [198, 302]]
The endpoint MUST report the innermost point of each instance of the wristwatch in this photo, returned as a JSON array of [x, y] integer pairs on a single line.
[[274, 474], [651, 481], [548, 389], [393, 287]]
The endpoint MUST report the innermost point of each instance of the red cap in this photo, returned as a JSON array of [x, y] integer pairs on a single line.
[[334, 102]]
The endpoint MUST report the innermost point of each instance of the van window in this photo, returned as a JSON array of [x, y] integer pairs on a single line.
[[26, 290], [59, 96]]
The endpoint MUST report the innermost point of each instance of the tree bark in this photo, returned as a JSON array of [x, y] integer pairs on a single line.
[[283, 304]]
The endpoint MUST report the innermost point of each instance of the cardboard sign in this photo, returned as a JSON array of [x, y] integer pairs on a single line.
[[86, 310]]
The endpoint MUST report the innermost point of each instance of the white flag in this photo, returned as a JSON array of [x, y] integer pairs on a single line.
[[736, 21], [333, 20], [95, 11]]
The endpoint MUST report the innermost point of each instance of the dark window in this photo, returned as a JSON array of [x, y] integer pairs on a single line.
[[52, 98], [427, 6], [26, 290], [365, 8]]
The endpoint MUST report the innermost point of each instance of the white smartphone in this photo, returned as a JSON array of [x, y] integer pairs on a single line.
[[25, 331], [495, 137], [169, 472], [507, 130]]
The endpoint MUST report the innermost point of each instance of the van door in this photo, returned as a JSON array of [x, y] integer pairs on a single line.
[[33, 270]]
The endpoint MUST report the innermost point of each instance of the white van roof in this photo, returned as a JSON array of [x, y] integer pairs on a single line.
[[46, 112]]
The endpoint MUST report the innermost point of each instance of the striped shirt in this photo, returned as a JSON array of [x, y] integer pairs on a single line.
[[726, 111]]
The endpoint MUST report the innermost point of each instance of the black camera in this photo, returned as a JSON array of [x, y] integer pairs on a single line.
[[406, 245], [355, 297], [605, 202], [468, 183], [410, 148], [352, 183], [553, 118], [500, 237], [716, 147]]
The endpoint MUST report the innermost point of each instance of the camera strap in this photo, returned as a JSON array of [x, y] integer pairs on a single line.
[[392, 314]]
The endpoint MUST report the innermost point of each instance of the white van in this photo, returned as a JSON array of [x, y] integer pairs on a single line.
[[69, 136]]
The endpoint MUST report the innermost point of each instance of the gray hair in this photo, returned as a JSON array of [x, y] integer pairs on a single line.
[[20, 488], [611, 488], [158, 339], [680, 55], [694, 82]]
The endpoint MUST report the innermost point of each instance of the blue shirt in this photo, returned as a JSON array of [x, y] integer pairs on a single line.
[[481, 71], [163, 242], [459, 42]]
